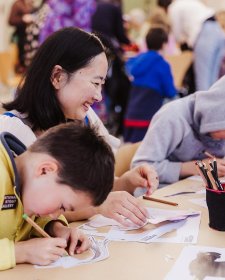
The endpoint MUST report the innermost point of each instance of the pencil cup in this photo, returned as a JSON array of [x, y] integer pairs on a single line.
[[216, 207]]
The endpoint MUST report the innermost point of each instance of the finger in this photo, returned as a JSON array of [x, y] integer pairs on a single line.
[[58, 251], [85, 244], [73, 243], [132, 217], [59, 242], [141, 211], [54, 257], [120, 219], [220, 161]]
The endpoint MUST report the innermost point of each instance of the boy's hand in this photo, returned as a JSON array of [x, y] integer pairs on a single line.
[[220, 167], [40, 251], [77, 241], [143, 176], [120, 206]]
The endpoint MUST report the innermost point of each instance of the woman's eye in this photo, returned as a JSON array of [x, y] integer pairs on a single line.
[[96, 84]]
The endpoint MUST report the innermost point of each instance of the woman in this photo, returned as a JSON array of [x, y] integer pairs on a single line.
[[63, 81]]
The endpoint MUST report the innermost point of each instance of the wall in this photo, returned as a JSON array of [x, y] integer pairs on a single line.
[[144, 4]]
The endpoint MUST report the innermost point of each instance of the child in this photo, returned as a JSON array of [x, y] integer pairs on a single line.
[[67, 168], [152, 82], [181, 132]]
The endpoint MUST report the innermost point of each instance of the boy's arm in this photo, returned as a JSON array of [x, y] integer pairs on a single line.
[[7, 254], [119, 205]]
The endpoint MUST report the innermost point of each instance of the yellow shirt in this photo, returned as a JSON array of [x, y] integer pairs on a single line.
[[12, 226]]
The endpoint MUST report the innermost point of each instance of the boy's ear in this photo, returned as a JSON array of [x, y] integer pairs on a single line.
[[57, 76], [47, 167]]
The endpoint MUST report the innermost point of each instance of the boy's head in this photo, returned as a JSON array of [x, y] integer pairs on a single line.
[[156, 38], [68, 167]]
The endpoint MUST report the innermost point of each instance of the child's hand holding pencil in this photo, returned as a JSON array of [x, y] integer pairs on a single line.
[[77, 241], [220, 163]]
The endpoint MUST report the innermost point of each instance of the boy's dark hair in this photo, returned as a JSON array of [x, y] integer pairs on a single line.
[[86, 161], [155, 38], [72, 49]]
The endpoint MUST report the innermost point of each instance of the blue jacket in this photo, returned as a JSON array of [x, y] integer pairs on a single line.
[[150, 70], [152, 82]]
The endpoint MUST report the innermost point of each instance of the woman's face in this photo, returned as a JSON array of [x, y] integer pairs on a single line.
[[84, 87]]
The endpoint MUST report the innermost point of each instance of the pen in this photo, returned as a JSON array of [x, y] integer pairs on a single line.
[[160, 200], [36, 226]]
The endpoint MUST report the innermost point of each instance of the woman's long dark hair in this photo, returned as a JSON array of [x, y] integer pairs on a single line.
[[72, 49]]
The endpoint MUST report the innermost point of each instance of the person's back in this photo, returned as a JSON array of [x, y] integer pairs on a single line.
[[66, 13], [187, 18], [195, 24], [152, 82]]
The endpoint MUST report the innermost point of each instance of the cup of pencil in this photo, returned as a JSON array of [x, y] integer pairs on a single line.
[[215, 194], [216, 207]]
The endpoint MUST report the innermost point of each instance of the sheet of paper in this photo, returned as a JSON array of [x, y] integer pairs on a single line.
[[150, 232], [146, 236], [196, 262], [101, 221], [157, 215], [99, 251], [203, 191], [188, 233], [199, 201], [180, 193]]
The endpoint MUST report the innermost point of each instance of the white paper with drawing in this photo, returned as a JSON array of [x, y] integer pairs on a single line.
[[161, 221], [196, 262], [99, 251]]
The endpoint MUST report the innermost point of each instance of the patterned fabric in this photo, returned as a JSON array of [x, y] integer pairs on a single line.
[[32, 33], [65, 13]]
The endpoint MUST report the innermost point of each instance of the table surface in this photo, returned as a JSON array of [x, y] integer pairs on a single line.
[[131, 260]]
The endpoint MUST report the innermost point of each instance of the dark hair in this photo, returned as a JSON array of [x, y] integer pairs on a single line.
[[155, 38], [86, 161], [72, 49], [164, 4]]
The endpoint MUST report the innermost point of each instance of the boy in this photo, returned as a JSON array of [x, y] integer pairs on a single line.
[[152, 82], [67, 168]]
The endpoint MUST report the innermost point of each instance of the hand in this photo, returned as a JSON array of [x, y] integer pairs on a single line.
[[77, 241], [120, 205], [220, 167], [143, 176], [40, 251]]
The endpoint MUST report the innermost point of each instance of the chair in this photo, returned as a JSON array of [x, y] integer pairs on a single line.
[[124, 156], [179, 66]]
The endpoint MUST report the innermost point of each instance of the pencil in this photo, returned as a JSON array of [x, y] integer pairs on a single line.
[[36, 226], [160, 200], [209, 155]]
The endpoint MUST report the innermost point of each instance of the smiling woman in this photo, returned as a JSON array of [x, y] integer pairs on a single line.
[[64, 79]]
